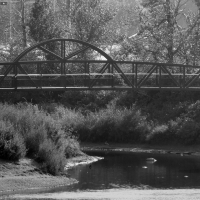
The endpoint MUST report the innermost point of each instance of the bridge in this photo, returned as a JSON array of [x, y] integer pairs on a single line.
[[65, 64]]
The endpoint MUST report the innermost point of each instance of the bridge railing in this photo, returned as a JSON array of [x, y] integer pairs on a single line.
[[96, 75]]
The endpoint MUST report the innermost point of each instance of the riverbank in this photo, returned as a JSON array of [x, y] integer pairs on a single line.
[[25, 175], [145, 148], [113, 194]]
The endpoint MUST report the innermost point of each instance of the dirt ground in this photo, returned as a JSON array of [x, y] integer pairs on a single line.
[[119, 194], [25, 175]]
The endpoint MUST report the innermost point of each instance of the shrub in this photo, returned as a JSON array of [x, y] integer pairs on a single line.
[[12, 145], [193, 111], [113, 124], [72, 148], [52, 157], [24, 126], [189, 132], [87, 101], [159, 135]]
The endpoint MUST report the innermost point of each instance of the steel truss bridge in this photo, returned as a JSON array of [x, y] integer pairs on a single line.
[[64, 64]]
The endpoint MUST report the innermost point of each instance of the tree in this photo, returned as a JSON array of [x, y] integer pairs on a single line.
[[22, 14], [86, 20], [160, 35], [13, 18], [4, 23], [42, 25]]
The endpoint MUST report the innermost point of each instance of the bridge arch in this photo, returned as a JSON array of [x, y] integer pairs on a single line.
[[62, 60], [62, 55]]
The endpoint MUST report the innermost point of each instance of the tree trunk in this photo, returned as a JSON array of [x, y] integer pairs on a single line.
[[24, 35], [170, 22]]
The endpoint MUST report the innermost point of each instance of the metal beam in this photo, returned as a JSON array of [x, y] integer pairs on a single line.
[[50, 52], [76, 53], [123, 75], [123, 88], [98, 76], [29, 78], [6, 73], [189, 83], [170, 75], [144, 78]]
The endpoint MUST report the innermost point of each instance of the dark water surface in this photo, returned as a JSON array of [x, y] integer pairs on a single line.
[[132, 170]]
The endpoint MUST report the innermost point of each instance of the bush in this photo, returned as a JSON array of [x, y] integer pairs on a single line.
[[87, 101], [27, 130], [189, 131], [52, 157], [12, 145], [113, 124], [159, 135], [72, 148]]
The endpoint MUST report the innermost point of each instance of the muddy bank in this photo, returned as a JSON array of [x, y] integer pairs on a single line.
[[26, 176], [161, 149], [120, 194]]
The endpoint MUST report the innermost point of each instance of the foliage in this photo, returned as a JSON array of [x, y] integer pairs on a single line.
[[52, 157], [13, 18], [41, 24], [160, 36], [86, 20], [189, 127], [164, 118], [26, 130], [12, 145], [175, 123], [87, 101], [109, 124]]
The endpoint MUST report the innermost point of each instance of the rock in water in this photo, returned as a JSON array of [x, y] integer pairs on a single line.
[[151, 159]]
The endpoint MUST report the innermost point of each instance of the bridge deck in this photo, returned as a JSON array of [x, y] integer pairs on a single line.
[[97, 75]]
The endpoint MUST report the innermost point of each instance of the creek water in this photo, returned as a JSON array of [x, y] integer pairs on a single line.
[[134, 170]]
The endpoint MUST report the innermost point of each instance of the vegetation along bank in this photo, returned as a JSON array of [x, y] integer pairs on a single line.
[[50, 132]]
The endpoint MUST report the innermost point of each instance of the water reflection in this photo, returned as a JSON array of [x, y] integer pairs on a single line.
[[134, 170]]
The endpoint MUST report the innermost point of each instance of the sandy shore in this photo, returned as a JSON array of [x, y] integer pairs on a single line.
[[119, 194], [25, 175]]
